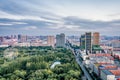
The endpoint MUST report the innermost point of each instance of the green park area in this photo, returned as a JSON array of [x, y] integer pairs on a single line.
[[34, 63]]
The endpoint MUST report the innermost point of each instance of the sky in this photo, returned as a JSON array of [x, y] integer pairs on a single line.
[[51, 17]]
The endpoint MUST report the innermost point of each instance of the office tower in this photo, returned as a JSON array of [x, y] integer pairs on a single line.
[[22, 38], [88, 44], [51, 41], [96, 38], [60, 40], [82, 42]]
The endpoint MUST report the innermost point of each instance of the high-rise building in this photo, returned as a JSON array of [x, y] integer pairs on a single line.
[[96, 37], [51, 41], [60, 40], [88, 44], [22, 38], [82, 42]]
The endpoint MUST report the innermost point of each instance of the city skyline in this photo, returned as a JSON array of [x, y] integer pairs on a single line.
[[47, 17]]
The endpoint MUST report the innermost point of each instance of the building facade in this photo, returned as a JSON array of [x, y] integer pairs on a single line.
[[60, 40], [88, 42], [82, 42], [51, 41], [96, 38]]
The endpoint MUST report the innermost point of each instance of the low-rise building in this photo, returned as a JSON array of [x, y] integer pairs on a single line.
[[27, 44], [110, 74], [107, 75]]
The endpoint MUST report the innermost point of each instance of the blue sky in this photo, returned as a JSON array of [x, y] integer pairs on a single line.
[[50, 17]]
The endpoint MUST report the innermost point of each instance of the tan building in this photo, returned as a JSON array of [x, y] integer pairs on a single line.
[[51, 41], [96, 38]]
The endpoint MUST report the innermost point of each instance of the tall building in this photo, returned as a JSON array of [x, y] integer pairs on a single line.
[[51, 41], [22, 38], [82, 42], [60, 40], [96, 38], [88, 42]]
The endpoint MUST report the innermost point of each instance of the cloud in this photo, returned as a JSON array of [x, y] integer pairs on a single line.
[[115, 24], [72, 23], [11, 23], [19, 23], [5, 15], [115, 14], [57, 16], [64, 27], [30, 28], [5, 24], [18, 17], [66, 24]]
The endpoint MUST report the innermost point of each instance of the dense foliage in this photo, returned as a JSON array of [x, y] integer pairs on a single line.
[[33, 63]]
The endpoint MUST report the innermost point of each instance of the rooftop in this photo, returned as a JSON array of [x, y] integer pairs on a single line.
[[54, 64], [96, 47], [115, 72], [107, 72], [100, 54]]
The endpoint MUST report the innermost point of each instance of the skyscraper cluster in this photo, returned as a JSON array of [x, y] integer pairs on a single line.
[[87, 40]]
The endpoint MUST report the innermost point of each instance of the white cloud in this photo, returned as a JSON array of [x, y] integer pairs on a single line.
[[72, 27], [30, 28], [16, 17], [19, 23], [113, 17], [63, 26], [25, 17], [90, 11], [11, 23], [5, 24]]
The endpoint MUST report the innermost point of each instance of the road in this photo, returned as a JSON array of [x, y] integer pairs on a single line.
[[79, 61]]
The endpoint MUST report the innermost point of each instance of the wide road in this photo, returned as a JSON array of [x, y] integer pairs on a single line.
[[79, 61]]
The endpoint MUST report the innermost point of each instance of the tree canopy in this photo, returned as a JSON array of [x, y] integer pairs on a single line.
[[33, 63]]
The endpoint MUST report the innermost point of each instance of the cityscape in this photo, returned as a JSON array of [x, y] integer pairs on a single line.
[[98, 54], [59, 40]]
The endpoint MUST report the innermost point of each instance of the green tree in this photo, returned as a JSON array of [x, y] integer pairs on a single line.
[[20, 73]]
